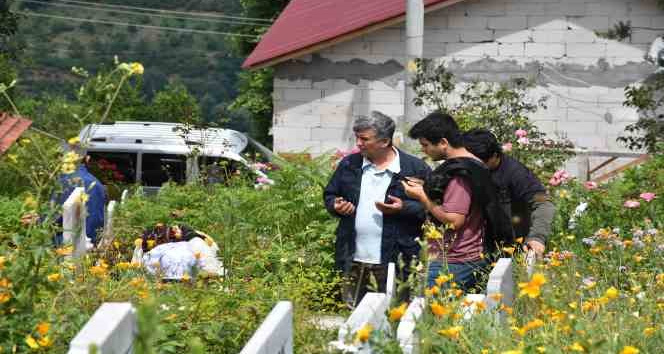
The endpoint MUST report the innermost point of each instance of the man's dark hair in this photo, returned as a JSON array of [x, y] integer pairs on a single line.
[[482, 143], [435, 127]]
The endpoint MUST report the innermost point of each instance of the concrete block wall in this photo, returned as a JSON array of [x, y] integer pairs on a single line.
[[582, 74]]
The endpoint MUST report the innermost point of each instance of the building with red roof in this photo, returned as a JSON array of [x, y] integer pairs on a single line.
[[336, 59]]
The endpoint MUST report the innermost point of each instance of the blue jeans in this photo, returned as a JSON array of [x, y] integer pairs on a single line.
[[466, 275]]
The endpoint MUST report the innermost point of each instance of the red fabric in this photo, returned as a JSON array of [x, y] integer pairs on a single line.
[[305, 23]]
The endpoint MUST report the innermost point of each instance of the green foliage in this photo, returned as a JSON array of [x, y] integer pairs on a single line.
[[255, 97], [175, 104], [501, 108], [648, 132], [620, 31]]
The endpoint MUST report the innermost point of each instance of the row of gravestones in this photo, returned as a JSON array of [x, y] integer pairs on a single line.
[[113, 326]]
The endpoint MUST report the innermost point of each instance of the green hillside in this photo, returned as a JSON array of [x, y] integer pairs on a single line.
[[190, 43]]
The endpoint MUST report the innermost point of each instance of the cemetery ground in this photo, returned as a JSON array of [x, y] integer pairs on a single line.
[[598, 290]]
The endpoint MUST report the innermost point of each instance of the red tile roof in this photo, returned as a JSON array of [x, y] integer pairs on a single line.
[[306, 23], [11, 128]]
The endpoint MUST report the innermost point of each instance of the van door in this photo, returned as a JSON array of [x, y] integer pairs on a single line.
[[158, 169]]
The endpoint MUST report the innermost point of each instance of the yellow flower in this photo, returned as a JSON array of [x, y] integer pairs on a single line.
[[649, 331], [534, 324], [439, 310], [362, 334], [5, 283], [452, 332], [433, 291], [136, 68], [628, 349], [432, 233], [30, 202], [42, 328], [74, 141], [84, 198], [171, 317], [45, 342], [442, 279], [532, 288], [186, 277], [496, 296], [54, 277], [577, 347], [13, 158], [98, 271], [611, 293], [412, 66], [31, 342], [123, 265], [138, 242], [2, 263], [68, 168], [397, 312], [4, 297], [71, 158], [541, 349], [209, 241], [514, 351], [64, 251], [25, 141]]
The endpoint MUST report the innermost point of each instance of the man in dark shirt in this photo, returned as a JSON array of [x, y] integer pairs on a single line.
[[521, 192]]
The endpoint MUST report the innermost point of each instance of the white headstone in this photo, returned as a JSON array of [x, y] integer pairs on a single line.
[[108, 224], [124, 196], [406, 331], [73, 222], [371, 310], [531, 258], [472, 300], [111, 329], [275, 335], [500, 288], [391, 281]]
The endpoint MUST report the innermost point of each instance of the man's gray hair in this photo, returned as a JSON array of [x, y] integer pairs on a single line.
[[382, 124]]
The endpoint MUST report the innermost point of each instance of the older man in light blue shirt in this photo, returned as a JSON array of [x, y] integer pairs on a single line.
[[378, 223]]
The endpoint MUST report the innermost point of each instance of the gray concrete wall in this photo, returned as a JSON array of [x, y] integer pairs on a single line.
[[550, 41]]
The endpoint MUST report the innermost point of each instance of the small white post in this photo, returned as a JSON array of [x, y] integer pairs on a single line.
[[107, 235], [371, 310], [406, 331], [500, 288], [531, 258], [111, 329], [73, 222], [123, 197], [391, 281], [275, 334]]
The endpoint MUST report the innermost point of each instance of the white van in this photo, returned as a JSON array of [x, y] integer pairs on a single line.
[[151, 153]]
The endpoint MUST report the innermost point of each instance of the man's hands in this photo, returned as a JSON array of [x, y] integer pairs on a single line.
[[343, 207], [414, 188], [394, 205]]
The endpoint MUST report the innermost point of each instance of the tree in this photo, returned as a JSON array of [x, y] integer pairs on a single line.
[[175, 104], [255, 87]]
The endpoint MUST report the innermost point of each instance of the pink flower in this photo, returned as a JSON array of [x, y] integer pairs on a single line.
[[263, 180], [507, 147], [555, 181], [523, 141], [521, 133], [631, 204], [590, 185], [648, 196]]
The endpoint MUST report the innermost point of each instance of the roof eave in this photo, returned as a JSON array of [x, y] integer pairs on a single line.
[[342, 38]]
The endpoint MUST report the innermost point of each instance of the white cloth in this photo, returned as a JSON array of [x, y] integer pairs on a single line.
[[175, 259], [368, 219]]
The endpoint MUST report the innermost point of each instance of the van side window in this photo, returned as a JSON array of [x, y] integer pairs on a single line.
[[161, 168], [113, 167]]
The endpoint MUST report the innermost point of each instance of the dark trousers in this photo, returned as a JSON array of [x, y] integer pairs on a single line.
[[357, 283]]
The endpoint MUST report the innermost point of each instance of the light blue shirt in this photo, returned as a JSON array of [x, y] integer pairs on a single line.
[[368, 219]]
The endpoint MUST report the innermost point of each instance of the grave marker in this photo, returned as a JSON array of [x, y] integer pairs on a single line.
[[73, 222], [275, 335], [111, 329]]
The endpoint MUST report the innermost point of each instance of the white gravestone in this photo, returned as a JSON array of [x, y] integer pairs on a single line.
[[73, 222], [107, 235], [124, 196], [406, 330], [391, 281], [111, 329], [501, 286], [275, 335], [371, 310]]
